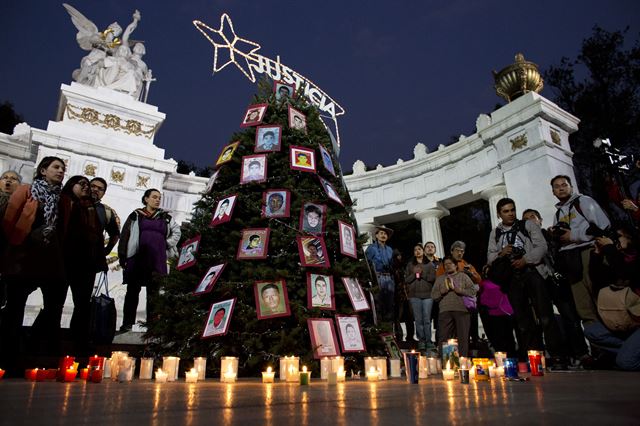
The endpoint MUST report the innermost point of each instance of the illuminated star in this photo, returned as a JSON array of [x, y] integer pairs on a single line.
[[229, 40]]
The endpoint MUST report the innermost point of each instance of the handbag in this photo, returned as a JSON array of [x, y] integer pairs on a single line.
[[469, 302], [102, 323]]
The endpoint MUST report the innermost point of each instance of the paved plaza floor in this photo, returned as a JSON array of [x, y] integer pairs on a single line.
[[569, 399]]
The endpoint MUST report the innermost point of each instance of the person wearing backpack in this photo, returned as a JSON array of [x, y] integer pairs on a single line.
[[576, 220], [524, 246]]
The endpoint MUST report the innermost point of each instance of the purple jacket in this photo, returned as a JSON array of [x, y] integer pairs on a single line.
[[494, 299]]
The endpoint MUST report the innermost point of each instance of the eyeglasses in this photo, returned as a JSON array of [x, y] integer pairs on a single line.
[[82, 183]]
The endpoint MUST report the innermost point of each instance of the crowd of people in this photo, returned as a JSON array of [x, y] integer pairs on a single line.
[[583, 266], [57, 237]]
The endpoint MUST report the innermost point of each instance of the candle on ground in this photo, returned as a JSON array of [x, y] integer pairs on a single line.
[[373, 375], [448, 373], [161, 376], [304, 376], [268, 376], [70, 375], [84, 374], [191, 376]]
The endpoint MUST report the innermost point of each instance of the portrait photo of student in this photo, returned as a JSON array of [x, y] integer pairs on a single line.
[[218, 320], [320, 292], [253, 243], [356, 294], [283, 90], [297, 120], [268, 138], [227, 153], [211, 181], [392, 346], [313, 251], [351, 337], [327, 162], [254, 115], [276, 203], [209, 279], [188, 253], [254, 169], [302, 159], [330, 190], [313, 218], [323, 337], [223, 211], [272, 300], [347, 235]]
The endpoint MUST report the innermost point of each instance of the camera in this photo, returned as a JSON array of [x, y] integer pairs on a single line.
[[559, 229], [596, 232], [517, 253]]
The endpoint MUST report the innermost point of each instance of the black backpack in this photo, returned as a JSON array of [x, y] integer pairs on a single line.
[[501, 271]]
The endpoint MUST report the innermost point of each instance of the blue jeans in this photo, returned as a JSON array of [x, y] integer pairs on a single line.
[[386, 296], [422, 316], [626, 346]]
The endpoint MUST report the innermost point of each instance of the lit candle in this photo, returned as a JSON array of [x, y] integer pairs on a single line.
[[161, 376], [500, 371], [200, 364], [492, 372], [1, 373], [464, 375], [289, 364], [96, 361], [268, 376], [170, 365], [381, 365], [433, 365], [482, 369], [325, 368], [336, 363], [84, 374], [52, 373], [464, 362], [30, 374], [64, 364], [304, 376], [535, 363], [107, 368], [373, 375], [70, 375], [423, 367], [229, 376], [395, 367], [472, 373], [116, 364], [191, 376], [448, 373], [341, 375], [95, 376], [41, 375], [146, 368]]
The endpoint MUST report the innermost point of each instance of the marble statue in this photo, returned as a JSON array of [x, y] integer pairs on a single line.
[[110, 62]]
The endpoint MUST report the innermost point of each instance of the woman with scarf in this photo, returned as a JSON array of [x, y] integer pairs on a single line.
[[450, 290], [33, 258], [83, 251], [149, 237]]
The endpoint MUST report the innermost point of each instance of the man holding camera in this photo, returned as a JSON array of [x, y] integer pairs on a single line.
[[522, 244], [578, 220]]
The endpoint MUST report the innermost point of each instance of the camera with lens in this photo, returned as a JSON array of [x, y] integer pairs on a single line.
[[517, 253], [596, 232], [559, 229]]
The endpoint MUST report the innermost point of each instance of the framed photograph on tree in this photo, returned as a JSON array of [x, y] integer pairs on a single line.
[[297, 120], [254, 169], [227, 153], [209, 279], [254, 115], [351, 337], [327, 162], [356, 294], [313, 217], [283, 90], [330, 190], [211, 181], [323, 337], [303, 159], [272, 299], [253, 243], [320, 293], [276, 203], [218, 320], [188, 253], [268, 138], [313, 251], [223, 211], [392, 346], [347, 239]]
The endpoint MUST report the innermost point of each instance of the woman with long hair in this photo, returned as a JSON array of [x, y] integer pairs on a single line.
[[83, 252], [419, 275], [149, 237], [33, 259]]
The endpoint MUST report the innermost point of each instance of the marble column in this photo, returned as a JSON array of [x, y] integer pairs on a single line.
[[430, 224], [493, 195]]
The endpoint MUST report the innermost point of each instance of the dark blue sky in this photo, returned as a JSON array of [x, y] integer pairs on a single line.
[[405, 71]]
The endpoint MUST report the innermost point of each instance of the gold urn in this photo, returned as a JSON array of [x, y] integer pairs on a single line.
[[517, 79]]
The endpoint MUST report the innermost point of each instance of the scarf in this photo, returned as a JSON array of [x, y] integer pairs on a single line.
[[48, 196]]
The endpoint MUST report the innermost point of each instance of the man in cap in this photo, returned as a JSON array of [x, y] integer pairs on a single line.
[[380, 256]]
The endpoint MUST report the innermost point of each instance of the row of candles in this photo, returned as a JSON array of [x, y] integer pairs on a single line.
[[120, 367]]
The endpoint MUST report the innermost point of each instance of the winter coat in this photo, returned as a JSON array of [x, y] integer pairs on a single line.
[[419, 287], [130, 235]]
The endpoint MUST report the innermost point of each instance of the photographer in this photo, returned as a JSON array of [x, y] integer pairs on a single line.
[[522, 245], [575, 222], [615, 266]]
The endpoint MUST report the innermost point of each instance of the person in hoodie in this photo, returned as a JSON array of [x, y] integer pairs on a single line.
[[577, 222]]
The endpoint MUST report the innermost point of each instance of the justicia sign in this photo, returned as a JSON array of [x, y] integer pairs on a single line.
[[242, 54]]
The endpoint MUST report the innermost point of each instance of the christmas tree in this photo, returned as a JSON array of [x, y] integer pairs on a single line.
[[276, 218]]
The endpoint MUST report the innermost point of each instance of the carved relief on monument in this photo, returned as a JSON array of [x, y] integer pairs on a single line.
[[555, 137], [518, 142], [90, 169], [117, 174], [109, 121], [142, 180]]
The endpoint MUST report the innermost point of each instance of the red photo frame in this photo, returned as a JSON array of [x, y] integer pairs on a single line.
[[268, 138], [308, 214], [248, 248], [250, 173], [302, 159], [254, 115], [188, 253], [269, 203], [356, 294], [327, 161], [279, 92], [347, 234], [272, 299], [330, 190], [209, 279], [309, 258], [227, 152], [315, 284], [297, 120], [223, 214], [210, 327], [324, 342], [350, 331]]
